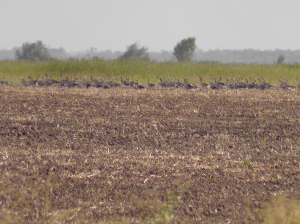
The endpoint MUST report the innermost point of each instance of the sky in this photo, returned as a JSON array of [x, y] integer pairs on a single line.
[[78, 25]]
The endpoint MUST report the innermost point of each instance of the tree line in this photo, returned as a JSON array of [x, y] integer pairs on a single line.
[[184, 50], [37, 51]]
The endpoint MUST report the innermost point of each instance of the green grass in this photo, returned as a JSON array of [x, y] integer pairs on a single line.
[[141, 70]]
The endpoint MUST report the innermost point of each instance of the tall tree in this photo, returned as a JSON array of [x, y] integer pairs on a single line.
[[185, 49], [34, 52]]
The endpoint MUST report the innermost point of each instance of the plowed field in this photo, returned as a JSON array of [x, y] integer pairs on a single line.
[[142, 156]]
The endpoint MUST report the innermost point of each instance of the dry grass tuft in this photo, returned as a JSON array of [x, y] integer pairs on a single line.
[[281, 210]]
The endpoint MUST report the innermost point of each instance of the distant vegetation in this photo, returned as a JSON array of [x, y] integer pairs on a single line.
[[141, 70], [280, 59], [185, 49], [249, 56], [134, 51], [33, 52]]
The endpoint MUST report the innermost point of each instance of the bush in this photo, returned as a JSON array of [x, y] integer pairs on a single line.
[[133, 51], [33, 52]]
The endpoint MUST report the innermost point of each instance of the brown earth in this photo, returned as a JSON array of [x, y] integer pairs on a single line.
[[128, 156]]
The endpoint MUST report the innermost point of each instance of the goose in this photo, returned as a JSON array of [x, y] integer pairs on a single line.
[[62, 81], [267, 85], [169, 84], [150, 85], [137, 86], [112, 83], [69, 83], [49, 80], [249, 86], [4, 82], [283, 85], [24, 82], [220, 86], [253, 83], [129, 83], [93, 80], [188, 85], [260, 85], [241, 84], [298, 83], [177, 84], [126, 82], [234, 85], [123, 82], [290, 87], [101, 85], [203, 84], [160, 83], [30, 81], [220, 82], [213, 85], [84, 83], [116, 84], [40, 82], [229, 85]]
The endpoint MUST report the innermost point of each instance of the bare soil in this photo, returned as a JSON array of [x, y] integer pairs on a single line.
[[134, 156]]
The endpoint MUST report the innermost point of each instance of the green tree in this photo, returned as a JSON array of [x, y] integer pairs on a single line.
[[280, 59], [184, 50], [34, 52], [133, 51]]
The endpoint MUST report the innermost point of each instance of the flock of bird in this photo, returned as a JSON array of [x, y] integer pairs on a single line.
[[172, 83]]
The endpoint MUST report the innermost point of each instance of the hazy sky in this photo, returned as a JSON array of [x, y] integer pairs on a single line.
[[79, 25]]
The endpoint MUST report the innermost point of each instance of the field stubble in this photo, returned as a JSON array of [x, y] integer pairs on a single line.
[[119, 155]]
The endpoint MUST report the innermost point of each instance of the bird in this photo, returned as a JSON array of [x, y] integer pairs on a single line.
[[40, 82], [123, 82], [229, 85], [137, 86], [150, 85], [213, 85], [177, 84], [188, 85], [93, 80], [284, 85], [31, 82], [249, 85], [130, 83], [24, 82], [241, 84], [49, 80], [4, 82], [298, 83], [220, 82], [203, 84], [69, 83], [267, 85], [100, 85], [160, 83], [84, 84]]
